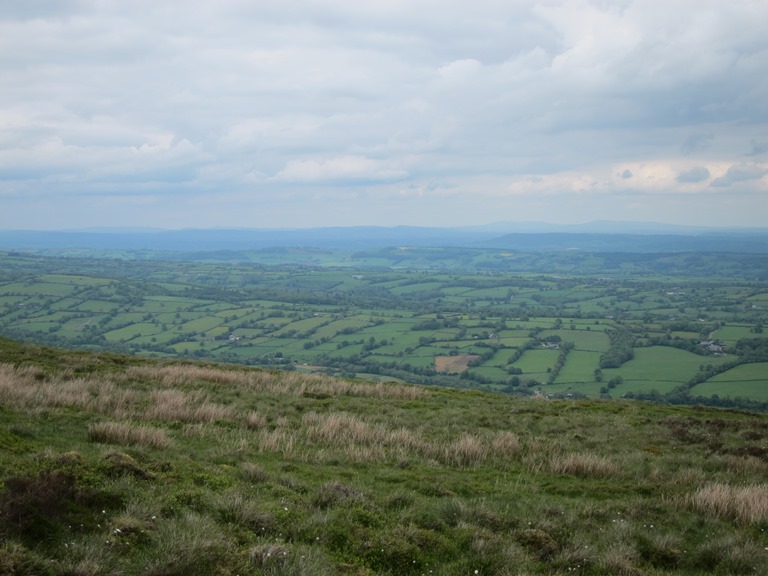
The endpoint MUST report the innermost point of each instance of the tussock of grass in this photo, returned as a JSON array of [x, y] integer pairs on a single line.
[[185, 407], [128, 435], [295, 384], [585, 465], [23, 388], [255, 420], [746, 504], [283, 442], [253, 472]]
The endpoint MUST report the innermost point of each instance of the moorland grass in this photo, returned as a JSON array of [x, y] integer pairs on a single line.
[[289, 473]]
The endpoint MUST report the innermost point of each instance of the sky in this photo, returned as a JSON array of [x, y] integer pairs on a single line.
[[306, 113]]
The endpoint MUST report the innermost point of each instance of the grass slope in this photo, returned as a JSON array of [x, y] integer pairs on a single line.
[[116, 465]]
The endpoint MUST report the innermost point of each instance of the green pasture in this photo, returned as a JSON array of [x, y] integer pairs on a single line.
[[138, 329], [662, 364], [38, 289], [301, 326], [514, 342], [66, 303], [501, 357], [455, 290], [591, 389], [239, 313], [35, 326], [46, 315], [504, 334], [346, 351], [148, 301], [95, 306], [10, 300], [731, 333], [248, 332], [579, 367], [172, 287], [336, 327], [212, 307], [75, 279], [415, 288], [445, 334], [426, 361], [644, 387], [273, 323], [685, 335], [537, 361], [761, 298], [75, 326], [592, 340], [745, 380], [386, 332], [492, 372], [463, 344], [482, 293]]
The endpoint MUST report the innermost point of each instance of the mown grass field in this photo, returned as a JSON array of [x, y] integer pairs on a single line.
[[117, 465]]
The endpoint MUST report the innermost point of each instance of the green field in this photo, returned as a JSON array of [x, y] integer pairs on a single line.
[[553, 329], [748, 381]]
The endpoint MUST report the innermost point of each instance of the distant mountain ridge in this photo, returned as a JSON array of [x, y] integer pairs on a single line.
[[596, 236]]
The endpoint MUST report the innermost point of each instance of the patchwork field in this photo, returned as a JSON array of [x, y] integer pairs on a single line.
[[521, 332]]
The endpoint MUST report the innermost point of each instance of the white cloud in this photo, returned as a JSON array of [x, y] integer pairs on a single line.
[[343, 168], [422, 99], [739, 174]]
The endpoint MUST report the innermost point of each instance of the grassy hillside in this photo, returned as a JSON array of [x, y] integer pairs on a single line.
[[115, 465]]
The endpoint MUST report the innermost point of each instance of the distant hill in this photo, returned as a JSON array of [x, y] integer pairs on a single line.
[[598, 236], [591, 242]]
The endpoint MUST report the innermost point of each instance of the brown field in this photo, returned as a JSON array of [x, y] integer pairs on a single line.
[[454, 363]]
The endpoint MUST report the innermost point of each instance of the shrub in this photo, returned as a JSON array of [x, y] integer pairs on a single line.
[[38, 507]]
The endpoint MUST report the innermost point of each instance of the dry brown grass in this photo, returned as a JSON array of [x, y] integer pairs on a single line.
[[255, 420], [360, 441], [746, 504], [281, 441], [25, 388], [584, 464], [364, 442], [128, 435], [192, 407], [469, 450], [291, 383], [505, 444]]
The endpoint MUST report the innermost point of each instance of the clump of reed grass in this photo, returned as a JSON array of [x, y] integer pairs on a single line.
[[584, 464], [255, 420], [185, 407], [24, 388], [745, 504], [253, 472], [128, 435]]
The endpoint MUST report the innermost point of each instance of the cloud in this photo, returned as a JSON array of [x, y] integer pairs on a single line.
[[740, 173], [696, 143], [694, 175], [265, 100], [339, 169], [758, 148]]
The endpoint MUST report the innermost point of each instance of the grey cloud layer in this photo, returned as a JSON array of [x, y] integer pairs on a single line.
[[423, 107]]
